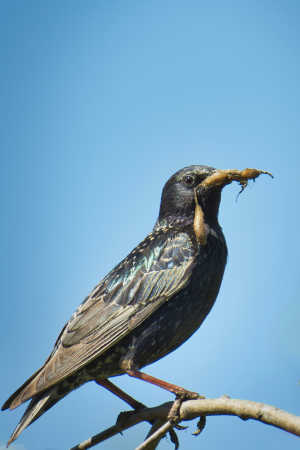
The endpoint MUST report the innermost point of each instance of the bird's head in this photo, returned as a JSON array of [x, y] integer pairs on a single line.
[[199, 187], [178, 195]]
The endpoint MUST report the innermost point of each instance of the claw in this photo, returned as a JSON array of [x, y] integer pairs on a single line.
[[174, 414], [200, 426], [180, 427]]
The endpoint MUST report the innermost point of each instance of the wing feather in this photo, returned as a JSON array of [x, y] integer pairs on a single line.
[[158, 268]]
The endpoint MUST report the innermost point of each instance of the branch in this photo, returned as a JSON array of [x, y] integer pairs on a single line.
[[190, 409]]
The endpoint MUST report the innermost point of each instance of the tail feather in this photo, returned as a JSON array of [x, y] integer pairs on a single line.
[[35, 409], [39, 404], [41, 399], [17, 397]]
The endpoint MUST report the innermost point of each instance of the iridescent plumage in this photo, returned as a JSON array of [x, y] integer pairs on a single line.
[[148, 305]]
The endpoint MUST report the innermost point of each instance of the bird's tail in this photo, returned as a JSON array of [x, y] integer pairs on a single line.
[[35, 409], [39, 404]]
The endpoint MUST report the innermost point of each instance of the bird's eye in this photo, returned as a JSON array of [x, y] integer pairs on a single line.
[[189, 180]]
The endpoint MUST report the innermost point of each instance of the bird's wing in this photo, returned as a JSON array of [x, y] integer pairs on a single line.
[[152, 273]]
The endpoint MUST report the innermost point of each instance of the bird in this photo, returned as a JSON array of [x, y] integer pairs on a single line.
[[149, 304]]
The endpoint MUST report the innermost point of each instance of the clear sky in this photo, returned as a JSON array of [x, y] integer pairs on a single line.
[[101, 101]]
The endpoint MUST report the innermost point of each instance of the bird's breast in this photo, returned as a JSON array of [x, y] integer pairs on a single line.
[[177, 319]]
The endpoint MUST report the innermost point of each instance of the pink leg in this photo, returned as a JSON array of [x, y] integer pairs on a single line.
[[177, 390]]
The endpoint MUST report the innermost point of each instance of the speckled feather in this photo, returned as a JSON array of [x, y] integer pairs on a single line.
[[144, 308], [149, 276]]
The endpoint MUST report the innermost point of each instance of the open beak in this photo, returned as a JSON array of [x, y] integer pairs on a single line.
[[223, 177]]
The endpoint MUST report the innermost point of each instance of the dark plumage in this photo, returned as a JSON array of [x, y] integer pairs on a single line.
[[149, 304]]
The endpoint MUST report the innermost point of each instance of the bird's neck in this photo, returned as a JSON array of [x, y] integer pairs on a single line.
[[183, 222], [173, 215], [173, 221]]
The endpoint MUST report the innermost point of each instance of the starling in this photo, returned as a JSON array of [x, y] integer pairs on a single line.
[[149, 304]]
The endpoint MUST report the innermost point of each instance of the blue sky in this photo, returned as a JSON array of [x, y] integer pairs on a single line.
[[100, 103]]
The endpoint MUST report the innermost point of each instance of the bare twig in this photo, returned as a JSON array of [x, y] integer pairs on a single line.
[[155, 437], [127, 420], [190, 409]]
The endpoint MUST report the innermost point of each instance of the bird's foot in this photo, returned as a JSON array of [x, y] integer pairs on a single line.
[[181, 396], [200, 425]]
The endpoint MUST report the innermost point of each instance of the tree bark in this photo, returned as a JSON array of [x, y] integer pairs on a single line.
[[191, 409]]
